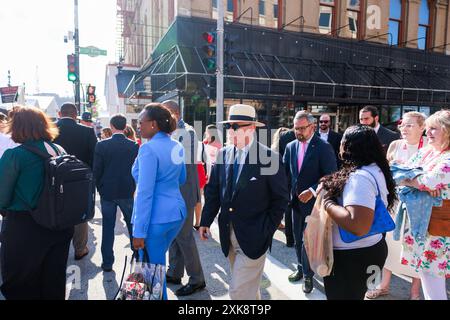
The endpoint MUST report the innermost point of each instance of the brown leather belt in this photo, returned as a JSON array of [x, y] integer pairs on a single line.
[[440, 220]]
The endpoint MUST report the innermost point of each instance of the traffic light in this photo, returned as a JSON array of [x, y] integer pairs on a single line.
[[71, 68], [210, 50], [229, 52], [91, 94]]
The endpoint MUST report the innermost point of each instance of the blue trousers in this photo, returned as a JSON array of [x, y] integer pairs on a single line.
[[109, 210], [298, 226], [159, 238]]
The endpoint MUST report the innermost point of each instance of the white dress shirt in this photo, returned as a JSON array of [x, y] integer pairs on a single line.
[[324, 135], [6, 143]]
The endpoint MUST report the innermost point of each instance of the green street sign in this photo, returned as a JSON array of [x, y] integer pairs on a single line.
[[92, 51]]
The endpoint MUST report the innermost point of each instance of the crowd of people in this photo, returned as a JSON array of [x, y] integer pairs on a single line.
[[159, 186]]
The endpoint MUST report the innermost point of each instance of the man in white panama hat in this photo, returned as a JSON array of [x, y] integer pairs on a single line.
[[251, 200]]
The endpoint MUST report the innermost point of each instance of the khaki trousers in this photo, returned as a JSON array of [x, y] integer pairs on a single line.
[[80, 238], [246, 273]]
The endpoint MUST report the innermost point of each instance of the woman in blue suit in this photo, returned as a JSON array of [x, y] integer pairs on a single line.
[[159, 170]]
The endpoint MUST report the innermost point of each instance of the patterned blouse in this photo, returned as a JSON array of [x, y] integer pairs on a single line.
[[431, 255]]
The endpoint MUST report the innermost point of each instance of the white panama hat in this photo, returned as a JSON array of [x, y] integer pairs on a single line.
[[242, 113]]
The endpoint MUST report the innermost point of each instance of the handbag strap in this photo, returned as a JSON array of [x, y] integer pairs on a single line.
[[376, 182], [121, 280]]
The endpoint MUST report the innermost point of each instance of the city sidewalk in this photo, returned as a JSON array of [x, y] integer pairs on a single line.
[[98, 285]]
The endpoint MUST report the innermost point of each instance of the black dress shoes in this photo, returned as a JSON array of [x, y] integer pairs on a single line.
[[308, 285], [190, 289], [169, 279], [296, 276]]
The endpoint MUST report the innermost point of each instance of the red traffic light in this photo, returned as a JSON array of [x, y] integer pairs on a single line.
[[210, 37]]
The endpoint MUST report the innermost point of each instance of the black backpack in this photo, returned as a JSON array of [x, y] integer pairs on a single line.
[[68, 194]]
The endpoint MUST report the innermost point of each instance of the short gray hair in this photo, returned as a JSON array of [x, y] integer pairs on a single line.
[[172, 105], [305, 115]]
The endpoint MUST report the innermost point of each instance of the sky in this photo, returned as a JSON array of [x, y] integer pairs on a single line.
[[32, 43]]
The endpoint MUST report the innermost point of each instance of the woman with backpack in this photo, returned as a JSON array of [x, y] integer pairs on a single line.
[[33, 258], [357, 262]]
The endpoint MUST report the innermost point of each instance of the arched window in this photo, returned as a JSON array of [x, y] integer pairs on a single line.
[[327, 16], [355, 18], [424, 30], [396, 18]]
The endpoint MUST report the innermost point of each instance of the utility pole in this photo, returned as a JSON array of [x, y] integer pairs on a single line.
[[220, 58], [77, 59]]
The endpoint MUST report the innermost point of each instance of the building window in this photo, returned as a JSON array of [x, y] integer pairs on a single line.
[[275, 11], [327, 15], [353, 13], [214, 4], [424, 26], [262, 7], [396, 21], [230, 6]]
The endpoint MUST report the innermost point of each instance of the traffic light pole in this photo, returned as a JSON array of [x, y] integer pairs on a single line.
[[77, 60], [220, 59]]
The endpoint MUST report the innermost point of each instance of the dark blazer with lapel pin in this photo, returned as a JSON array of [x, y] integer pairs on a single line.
[[257, 204], [113, 161], [386, 137], [319, 161]]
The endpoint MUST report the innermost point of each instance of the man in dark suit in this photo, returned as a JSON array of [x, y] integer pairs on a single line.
[[248, 185], [183, 252], [113, 160], [80, 141], [306, 160], [328, 135], [285, 139], [369, 116]]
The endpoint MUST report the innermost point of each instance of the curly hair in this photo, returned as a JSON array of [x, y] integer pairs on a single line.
[[361, 147]]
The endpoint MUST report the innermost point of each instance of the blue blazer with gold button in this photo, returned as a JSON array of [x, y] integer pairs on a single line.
[[255, 206]]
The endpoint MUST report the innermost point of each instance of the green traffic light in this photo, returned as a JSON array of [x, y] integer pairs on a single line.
[[210, 64], [72, 77]]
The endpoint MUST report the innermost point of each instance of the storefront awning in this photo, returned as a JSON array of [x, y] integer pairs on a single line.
[[255, 75]]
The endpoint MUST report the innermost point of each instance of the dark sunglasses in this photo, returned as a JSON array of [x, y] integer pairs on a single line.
[[235, 126], [324, 121]]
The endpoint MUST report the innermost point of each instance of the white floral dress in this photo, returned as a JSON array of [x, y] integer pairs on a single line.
[[432, 254]]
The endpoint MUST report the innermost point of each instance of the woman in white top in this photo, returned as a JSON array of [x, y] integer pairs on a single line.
[[350, 201], [401, 151]]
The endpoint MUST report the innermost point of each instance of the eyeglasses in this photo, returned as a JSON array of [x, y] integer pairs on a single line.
[[324, 121], [302, 128], [407, 125], [235, 126]]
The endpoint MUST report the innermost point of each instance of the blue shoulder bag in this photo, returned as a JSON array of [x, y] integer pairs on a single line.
[[382, 220]]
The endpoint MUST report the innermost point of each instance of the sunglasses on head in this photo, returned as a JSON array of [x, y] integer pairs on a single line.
[[235, 126]]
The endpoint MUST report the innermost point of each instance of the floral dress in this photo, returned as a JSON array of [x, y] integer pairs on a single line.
[[432, 254]]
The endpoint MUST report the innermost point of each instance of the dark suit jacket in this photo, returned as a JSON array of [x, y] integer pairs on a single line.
[[77, 140], [319, 161], [113, 160], [334, 139], [386, 137], [257, 205], [186, 135]]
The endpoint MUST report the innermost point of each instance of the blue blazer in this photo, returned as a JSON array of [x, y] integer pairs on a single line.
[[113, 160], [159, 171], [319, 161], [256, 206]]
